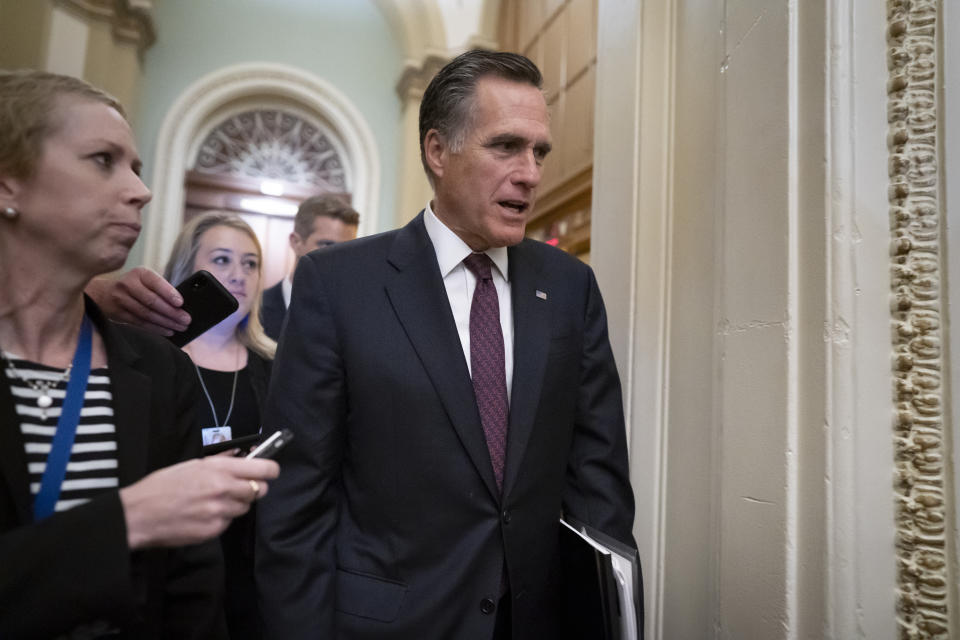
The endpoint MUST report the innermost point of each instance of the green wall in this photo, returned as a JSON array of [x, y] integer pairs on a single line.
[[348, 43]]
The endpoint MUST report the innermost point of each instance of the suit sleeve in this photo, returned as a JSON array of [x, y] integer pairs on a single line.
[[40, 592], [297, 520], [598, 480]]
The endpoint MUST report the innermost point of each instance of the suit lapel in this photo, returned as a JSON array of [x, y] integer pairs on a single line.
[[131, 399], [13, 458], [531, 339], [420, 301]]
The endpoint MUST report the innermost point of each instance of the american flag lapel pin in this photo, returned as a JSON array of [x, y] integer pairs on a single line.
[[541, 295]]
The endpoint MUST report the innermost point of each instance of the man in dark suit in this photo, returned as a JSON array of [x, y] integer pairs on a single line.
[[321, 221], [452, 392]]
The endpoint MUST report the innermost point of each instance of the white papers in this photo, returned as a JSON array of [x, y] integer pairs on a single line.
[[623, 572], [623, 569]]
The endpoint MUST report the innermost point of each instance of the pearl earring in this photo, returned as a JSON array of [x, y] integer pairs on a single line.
[[10, 213]]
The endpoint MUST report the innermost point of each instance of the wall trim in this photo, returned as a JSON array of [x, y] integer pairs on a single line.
[[131, 20], [917, 316], [205, 100], [417, 75], [631, 230]]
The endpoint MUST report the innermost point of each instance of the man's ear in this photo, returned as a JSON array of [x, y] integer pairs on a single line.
[[295, 241], [436, 152]]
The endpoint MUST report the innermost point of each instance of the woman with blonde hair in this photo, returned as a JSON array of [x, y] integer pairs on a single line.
[[232, 362], [104, 513], [184, 261]]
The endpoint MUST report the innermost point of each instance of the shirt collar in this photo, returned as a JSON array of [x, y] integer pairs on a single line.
[[451, 250], [287, 288]]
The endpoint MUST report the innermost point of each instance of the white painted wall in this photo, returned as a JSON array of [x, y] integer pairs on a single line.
[[67, 49], [462, 21], [740, 237]]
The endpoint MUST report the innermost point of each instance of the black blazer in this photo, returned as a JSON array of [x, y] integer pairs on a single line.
[[75, 567], [386, 521], [273, 310]]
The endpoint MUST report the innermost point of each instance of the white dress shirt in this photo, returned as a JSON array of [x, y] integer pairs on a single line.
[[460, 284], [286, 289]]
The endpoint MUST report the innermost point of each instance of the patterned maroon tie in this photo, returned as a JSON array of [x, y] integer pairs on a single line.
[[487, 363]]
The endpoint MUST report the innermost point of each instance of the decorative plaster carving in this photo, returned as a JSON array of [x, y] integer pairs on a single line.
[[131, 19], [276, 144], [916, 234], [415, 77]]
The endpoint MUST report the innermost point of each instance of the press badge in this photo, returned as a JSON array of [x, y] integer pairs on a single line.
[[213, 435]]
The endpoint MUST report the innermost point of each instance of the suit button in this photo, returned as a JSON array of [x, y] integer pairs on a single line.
[[487, 606], [505, 516]]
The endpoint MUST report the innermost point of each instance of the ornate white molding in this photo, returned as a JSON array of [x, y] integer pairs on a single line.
[[416, 76], [275, 144], [217, 95], [916, 254], [131, 19], [631, 239]]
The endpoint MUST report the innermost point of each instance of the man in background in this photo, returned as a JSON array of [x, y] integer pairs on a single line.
[[321, 221]]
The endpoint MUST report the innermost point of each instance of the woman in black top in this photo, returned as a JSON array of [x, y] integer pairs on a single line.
[[232, 362], [113, 543]]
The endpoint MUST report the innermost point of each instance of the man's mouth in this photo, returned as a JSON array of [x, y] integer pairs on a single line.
[[518, 206]]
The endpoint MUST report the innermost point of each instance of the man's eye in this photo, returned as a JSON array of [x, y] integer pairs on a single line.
[[324, 243], [506, 146]]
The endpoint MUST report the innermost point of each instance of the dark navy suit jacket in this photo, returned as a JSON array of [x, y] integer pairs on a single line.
[[273, 310], [386, 520]]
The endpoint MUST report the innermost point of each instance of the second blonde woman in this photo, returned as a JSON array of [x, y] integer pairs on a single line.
[[232, 362]]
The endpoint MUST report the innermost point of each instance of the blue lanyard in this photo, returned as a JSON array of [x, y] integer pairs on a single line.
[[56, 470]]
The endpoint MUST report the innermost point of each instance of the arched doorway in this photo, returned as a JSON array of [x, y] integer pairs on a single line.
[[261, 163], [232, 91]]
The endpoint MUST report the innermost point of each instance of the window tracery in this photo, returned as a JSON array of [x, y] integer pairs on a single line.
[[276, 145]]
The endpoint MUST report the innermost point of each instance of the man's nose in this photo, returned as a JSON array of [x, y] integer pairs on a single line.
[[529, 171]]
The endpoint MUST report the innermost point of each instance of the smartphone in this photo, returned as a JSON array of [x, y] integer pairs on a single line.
[[243, 443], [207, 302], [272, 445]]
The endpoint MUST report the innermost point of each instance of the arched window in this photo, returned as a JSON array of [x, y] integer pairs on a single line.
[[274, 144], [259, 137], [261, 163]]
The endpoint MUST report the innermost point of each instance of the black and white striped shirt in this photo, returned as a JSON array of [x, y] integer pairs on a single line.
[[92, 467]]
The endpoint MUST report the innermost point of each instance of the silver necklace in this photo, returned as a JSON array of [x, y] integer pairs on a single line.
[[42, 387], [233, 393]]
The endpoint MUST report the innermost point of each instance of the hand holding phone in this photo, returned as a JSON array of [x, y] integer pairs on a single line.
[[243, 442], [272, 445], [207, 301]]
